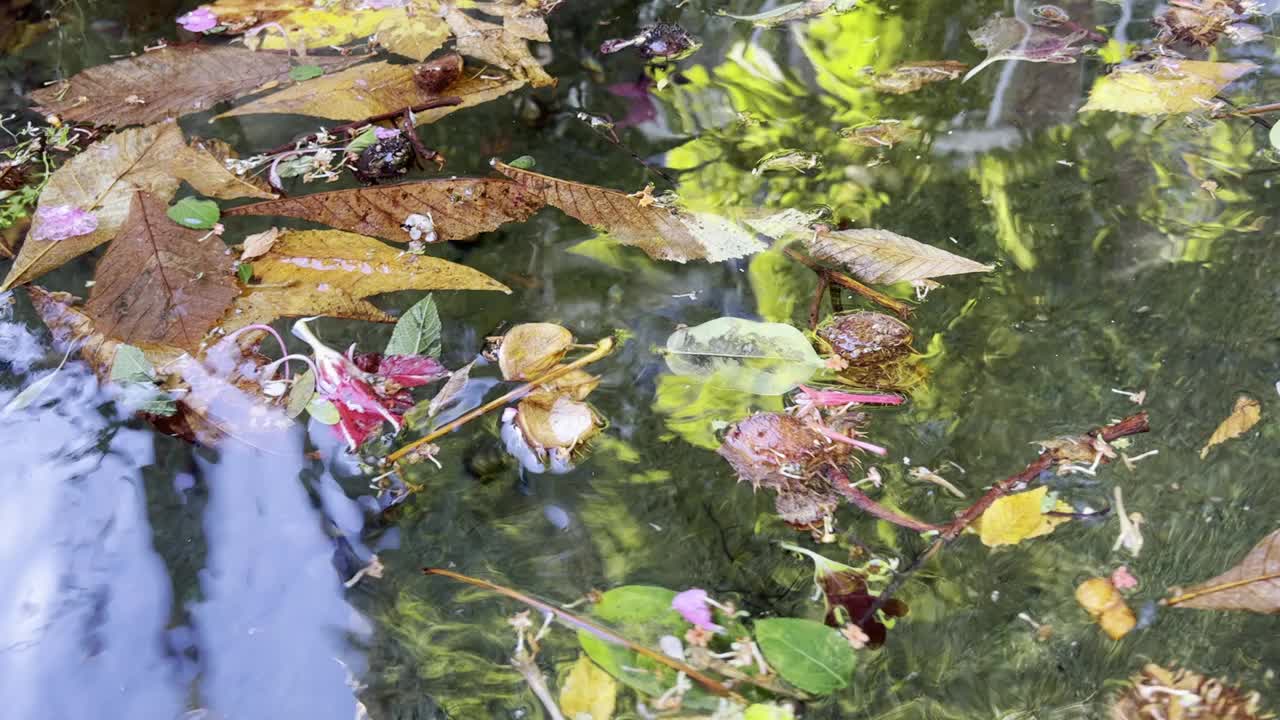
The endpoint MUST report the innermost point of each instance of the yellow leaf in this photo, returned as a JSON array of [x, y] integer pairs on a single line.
[[102, 181], [502, 45], [1161, 87], [1243, 417], [313, 27], [588, 692], [413, 32], [373, 89], [532, 349], [1014, 518]]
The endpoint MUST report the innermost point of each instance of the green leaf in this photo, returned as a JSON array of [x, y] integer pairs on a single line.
[[417, 332], [130, 365], [624, 665], [244, 271], [1275, 136], [195, 214], [323, 411], [305, 72], [807, 654], [755, 357], [362, 141], [760, 711], [301, 394], [634, 607], [524, 162]]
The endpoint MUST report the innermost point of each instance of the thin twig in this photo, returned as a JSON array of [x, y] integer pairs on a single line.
[[840, 481], [524, 664], [602, 348], [426, 105], [568, 618], [834, 277]]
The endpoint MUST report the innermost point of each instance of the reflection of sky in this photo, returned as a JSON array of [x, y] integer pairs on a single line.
[[85, 621]]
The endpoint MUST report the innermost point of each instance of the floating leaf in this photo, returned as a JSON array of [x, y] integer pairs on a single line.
[[663, 233], [1161, 87], [417, 332], [762, 711], [301, 394], [158, 283], [305, 72], [104, 178], [244, 271], [505, 46], [588, 691], [880, 256], [33, 391], [1014, 518], [883, 134], [787, 159], [1007, 38], [171, 82], [1252, 585], [756, 357], [330, 272], [1246, 413], [418, 34], [371, 89], [460, 208], [793, 11], [556, 424], [910, 77], [452, 387], [531, 349], [807, 654], [257, 244], [303, 24], [194, 213]]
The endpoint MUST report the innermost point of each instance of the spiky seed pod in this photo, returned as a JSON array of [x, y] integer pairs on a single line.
[[1158, 693]]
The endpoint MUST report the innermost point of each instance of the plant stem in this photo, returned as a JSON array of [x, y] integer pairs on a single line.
[[603, 633], [602, 348], [524, 664], [832, 277], [840, 481]]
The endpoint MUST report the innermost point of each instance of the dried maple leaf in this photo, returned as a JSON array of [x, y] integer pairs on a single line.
[[374, 89], [880, 256], [171, 82], [330, 272], [1252, 585], [160, 282], [103, 179], [460, 208], [664, 233], [1246, 413]]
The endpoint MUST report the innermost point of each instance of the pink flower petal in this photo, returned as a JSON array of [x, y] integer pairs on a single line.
[[60, 222], [692, 606], [1123, 579], [385, 133], [835, 398], [198, 20], [411, 370]]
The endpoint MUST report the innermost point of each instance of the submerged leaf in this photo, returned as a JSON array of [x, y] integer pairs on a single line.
[[532, 349], [1253, 585], [910, 77], [372, 89], [588, 691], [663, 233], [1159, 692], [1161, 87], [159, 283], [460, 208], [504, 46], [417, 332], [171, 82], [1014, 518], [103, 179], [1010, 38], [1246, 413], [303, 24], [807, 654], [793, 11], [880, 256], [756, 357]]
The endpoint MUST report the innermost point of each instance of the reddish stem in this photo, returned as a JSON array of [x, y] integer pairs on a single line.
[[840, 481]]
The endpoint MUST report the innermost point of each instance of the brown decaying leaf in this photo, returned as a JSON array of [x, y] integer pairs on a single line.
[[505, 46], [663, 233], [70, 324], [532, 349], [103, 179], [171, 82], [258, 244], [160, 282], [460, 208], [910, 77], [1246, 413], [330, 272], [1252, 585], [880, 256], [373, 89]]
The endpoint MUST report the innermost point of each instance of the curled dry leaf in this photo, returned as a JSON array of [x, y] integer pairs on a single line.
[[756, 357], [159, 282], [460, 208], [171, 82], [330, 272], [103, 179], [257, 244], [910, 77], [1246, 413], [373, 89], [880, 256], [505, 46], [532, 349], [664, 233], [1165, 86], [556, 426], [1252, 585]]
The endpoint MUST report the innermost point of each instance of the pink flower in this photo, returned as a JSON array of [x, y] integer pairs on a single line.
[[368, 396], [59, 222], [1123, 579], [385, 133], [694, 606], [198, 20]]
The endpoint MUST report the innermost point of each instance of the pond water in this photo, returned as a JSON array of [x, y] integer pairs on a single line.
[[148, 578]]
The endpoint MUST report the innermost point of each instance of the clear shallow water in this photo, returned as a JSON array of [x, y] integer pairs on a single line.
[[150, 579]]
